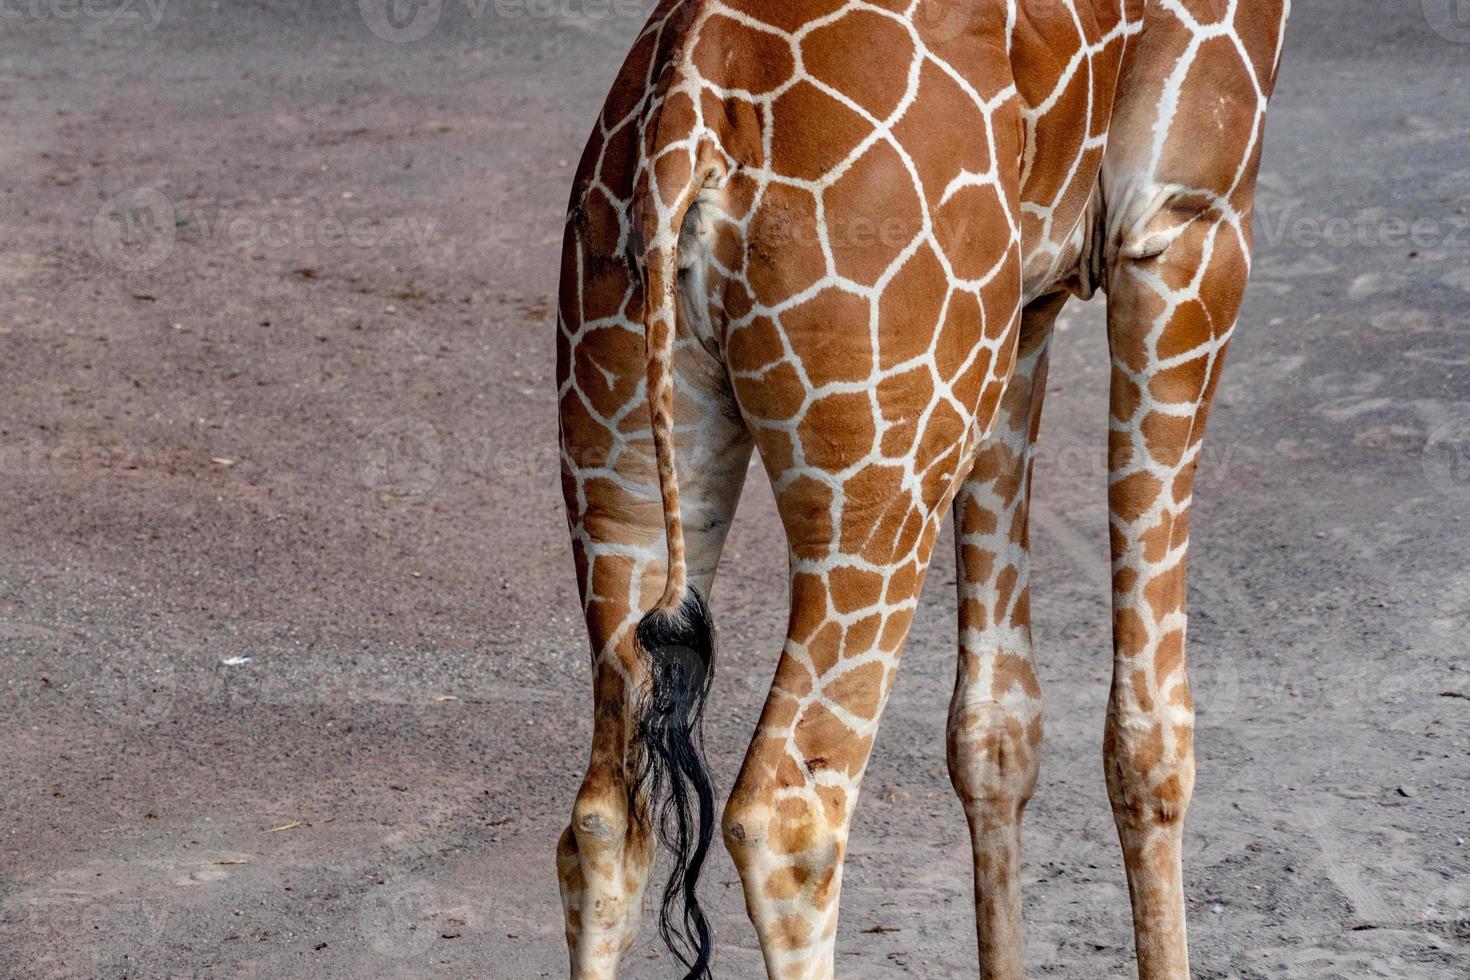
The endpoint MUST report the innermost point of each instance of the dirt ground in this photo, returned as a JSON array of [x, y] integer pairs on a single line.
[[294, 679]]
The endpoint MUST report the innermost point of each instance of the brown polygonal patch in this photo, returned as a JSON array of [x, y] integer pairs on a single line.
[[826, 743], [942, 106], [742, 59], [854, 588], [863, 55], [858, 690], [754, 345], [908, 313], [805, 506], [972, 230], [832, 336], [1222, 95], [837, 431], [778, 394], [873, 214], [785, 249], [812, 132]]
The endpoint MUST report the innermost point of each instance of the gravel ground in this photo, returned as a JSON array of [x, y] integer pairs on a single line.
[[294, 680]]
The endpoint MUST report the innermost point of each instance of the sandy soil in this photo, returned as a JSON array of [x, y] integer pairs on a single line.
[[277, 339]]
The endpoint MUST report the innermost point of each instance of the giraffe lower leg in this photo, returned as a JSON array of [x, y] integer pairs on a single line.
[[866, 405], [1169, 321], [604, 854], [995, 731], [786, 824], [787, 819]]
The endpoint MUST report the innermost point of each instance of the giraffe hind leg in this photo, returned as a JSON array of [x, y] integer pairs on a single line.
[[1170, 317], [1178, 254], [787, 820], [616, 522], [863, 475], [994, 732]]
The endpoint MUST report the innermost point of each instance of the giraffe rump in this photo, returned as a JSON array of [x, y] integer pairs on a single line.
[[672, 789]]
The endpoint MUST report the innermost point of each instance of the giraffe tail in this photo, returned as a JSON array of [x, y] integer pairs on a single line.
[[676, 637], [672, 773]]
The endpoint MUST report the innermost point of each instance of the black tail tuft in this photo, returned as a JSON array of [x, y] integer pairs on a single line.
[[672, 780]]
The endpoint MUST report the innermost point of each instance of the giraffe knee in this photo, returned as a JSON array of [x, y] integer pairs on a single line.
[[1150, 770], [743, 826], [787, 850], [993, 757], [601, 863]]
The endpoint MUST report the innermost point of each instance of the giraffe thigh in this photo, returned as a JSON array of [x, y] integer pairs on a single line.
[[994, 732], [609, 482], [1169, 321]]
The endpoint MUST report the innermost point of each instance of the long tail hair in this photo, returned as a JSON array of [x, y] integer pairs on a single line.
[[672, 778], [671, 788]]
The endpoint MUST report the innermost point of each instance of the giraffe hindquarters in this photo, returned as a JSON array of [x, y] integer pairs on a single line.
[[994, 738]]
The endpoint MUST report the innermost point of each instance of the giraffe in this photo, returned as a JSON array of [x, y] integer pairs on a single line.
[[838, 233]]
